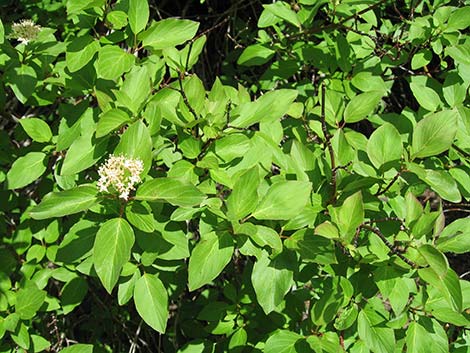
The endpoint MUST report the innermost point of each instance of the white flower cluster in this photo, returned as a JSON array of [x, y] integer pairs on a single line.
[[25, 31], [120, 174]]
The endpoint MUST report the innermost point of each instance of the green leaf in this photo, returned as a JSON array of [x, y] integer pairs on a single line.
[[39, 343], [72, 294], [174, 191], [447, 284], [137, 143], [261, 235], [26, 169], [454, 89], [80, 51], [244, 196], [254, 55], [78, 348], [312, 247], [272, 279], [28, 301], [113, 62], [169, 33], [379, 339], [282, 342], [361, 106], [435, 259], [112, 249], [366, 82], [441, 182], [111, 120], [23, 81], [37, 129], [455, 237], [209, 258], [140, 216], [349, 215], [421, 58], [426, 96], [268, 108], [2, 32], [63, 203], [83, 153], [282, 10], [151, 301], [21, 336], [417, 338], [384, 145], [458, 20], [118, 19], [138, 15], [284, 200], [434, 134]]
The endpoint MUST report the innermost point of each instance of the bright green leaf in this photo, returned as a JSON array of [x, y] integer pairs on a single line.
[[254, 55], [174, 191], [384, 145], [362, 105], [138, 15], [63, 203], [209, 258], [28, 301], [26, 169], [434, 134], [151, 301], [37, 129], [272, 279], [169, 33], [244, 197], [136, 143], [111, 120], [284, 200], [112, 62], [112, 249]]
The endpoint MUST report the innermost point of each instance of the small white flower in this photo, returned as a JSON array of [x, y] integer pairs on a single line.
[[25, 31], [120, 174]]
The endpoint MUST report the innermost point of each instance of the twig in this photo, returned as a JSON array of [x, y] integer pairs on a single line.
[[136, 337], [389, 185], [461, 151], [328, 145], [185, 97], [456, 210], [318, 29], [392, 248]]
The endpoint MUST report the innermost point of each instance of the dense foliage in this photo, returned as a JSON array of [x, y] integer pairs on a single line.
[[280, 177]]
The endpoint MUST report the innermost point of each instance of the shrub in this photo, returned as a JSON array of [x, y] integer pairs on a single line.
[[306, 202]]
